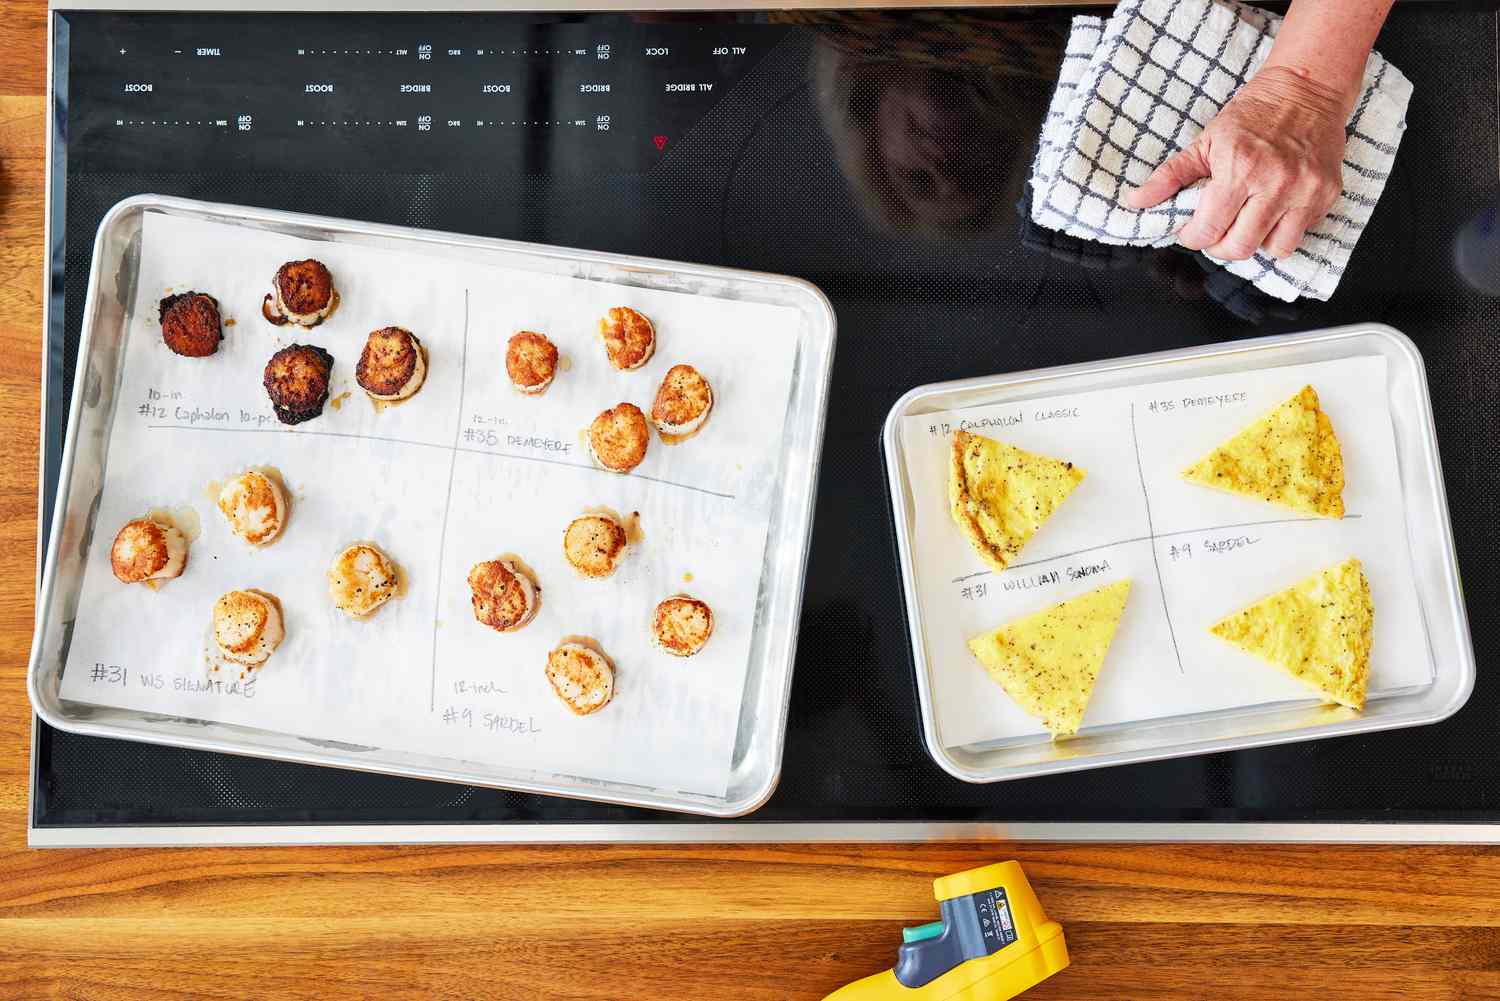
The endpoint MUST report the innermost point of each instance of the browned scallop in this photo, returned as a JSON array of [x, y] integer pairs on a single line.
[[593, 544], [248, 626], [147, 550], [683, 401], [304, 292], [682, 625], [629, 338], [503, 596], [582, 677], [618, 438], [392, 366], [296, 380], [531, 362], [190, 324]]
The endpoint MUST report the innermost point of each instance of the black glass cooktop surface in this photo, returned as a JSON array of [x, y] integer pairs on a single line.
[[880, 156]]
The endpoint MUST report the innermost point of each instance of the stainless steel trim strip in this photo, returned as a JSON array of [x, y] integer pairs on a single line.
[[749, 833], [559, 6]]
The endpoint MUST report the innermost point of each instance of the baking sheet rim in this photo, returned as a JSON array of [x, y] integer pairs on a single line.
[[816, 346], [902, 516]]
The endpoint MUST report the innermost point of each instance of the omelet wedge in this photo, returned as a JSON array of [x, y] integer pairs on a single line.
[[1001, 495], [1048, 661], [1318, 631], [1290, 457]]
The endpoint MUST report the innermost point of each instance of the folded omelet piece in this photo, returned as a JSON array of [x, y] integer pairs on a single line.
[[1001, 494], [1048, 661], [1318, 631], [1289, 457]]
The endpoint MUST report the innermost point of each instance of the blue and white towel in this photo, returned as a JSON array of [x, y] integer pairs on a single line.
[[1138, 87]]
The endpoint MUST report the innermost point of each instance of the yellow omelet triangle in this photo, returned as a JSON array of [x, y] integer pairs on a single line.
[[1289, 457], [1318, 631], [1048, 661], [1000, 494]]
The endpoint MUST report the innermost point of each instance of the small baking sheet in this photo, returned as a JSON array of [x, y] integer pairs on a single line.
[[467, 470], [1194, 555]]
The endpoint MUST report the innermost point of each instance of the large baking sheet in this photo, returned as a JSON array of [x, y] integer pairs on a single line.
[[1169, 688], [427, 691]]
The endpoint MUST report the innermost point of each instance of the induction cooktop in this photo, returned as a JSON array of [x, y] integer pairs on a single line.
[[880, 155]]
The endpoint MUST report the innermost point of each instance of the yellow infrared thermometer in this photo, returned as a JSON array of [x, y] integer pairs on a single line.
[[992, 942]]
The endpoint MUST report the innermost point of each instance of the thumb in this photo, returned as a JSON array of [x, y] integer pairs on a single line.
[[1180, 170]]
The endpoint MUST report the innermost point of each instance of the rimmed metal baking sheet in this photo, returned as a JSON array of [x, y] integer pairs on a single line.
[[757, 755], [1429, 532]]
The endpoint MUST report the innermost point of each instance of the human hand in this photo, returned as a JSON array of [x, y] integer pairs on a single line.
[[1273, 158]]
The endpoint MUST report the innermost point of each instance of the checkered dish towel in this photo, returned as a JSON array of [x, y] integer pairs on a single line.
[[1142, 85]]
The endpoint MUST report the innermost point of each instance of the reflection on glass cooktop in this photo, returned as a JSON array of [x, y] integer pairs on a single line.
[[882, 157]]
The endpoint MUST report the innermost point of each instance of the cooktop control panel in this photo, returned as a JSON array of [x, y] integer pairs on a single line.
[[398, 92]]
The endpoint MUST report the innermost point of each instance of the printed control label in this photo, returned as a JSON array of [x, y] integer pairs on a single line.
[[995, 921]]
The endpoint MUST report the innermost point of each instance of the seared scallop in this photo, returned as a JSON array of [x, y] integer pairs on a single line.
[[361, 579], [248, 626], [190, 324], [618, 438], [255, 507], [582, 677], [683, 401], [504, 597], [682, 625], [301, 293], [593, 544], [145, 549], [392, 365], [531, 362], [296, 380], [629, 338]]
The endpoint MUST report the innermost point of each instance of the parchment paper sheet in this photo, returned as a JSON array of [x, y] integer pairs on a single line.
[[1194, 555], [465, 471]]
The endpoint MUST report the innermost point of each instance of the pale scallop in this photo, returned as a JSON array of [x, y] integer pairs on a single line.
[[361, 579], [255, 507], [581, 677]]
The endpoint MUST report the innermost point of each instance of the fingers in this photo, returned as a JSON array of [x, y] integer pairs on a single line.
[[1287, 234], [1255, 219], [1180, 170], [1217, 208]]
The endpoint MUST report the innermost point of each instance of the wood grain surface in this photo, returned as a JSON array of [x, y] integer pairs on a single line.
[[692, 922]]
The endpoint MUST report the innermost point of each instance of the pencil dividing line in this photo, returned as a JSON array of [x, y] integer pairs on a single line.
[[455, 447], [1151, 538], [437, 607]]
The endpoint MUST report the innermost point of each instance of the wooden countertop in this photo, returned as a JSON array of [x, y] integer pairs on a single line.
[[692, 922]]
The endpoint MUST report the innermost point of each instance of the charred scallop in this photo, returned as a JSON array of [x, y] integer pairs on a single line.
[[302, 293], [392, 366], [190, 324], [296, 379]]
